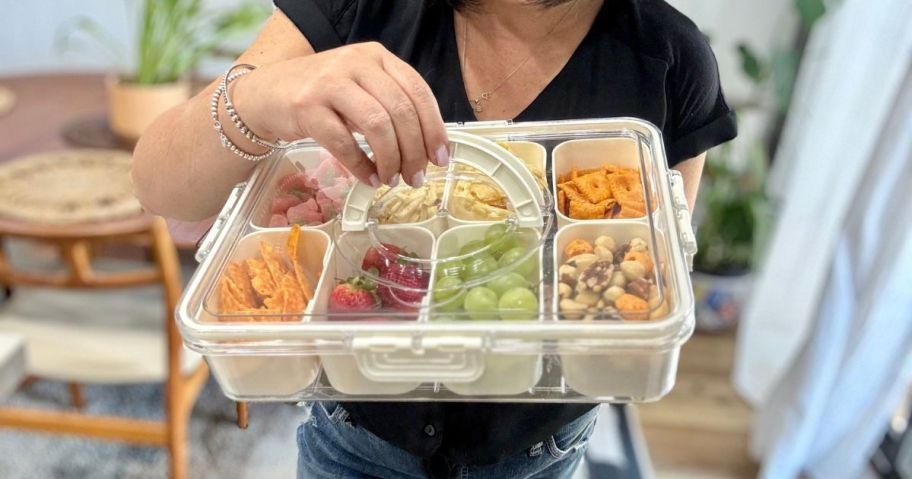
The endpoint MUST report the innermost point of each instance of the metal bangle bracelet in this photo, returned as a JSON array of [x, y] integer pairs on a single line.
[[232, 113], [226, 142]]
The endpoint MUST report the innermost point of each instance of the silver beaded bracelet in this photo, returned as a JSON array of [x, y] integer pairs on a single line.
[[217, 95]]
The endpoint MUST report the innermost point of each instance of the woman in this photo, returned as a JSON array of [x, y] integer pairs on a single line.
[[395, 71]]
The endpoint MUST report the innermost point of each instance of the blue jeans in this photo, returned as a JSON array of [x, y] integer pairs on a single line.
[[331, 447]]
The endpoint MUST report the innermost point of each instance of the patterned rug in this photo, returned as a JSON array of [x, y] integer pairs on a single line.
[[217, 448]]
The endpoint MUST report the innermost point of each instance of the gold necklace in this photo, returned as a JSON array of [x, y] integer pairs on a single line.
[[478, 102]]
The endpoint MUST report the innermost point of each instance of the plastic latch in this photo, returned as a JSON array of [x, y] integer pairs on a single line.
[[422, 359], [205, 246], [682, 217]]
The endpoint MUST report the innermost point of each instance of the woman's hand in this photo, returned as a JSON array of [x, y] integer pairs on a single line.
[[359, 88]]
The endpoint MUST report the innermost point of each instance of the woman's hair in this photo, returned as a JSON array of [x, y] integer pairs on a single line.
[[462, 4]]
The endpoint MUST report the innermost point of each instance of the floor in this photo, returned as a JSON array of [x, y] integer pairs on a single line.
[[700, 430]]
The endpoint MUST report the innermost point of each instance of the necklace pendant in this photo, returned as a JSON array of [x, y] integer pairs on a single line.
[[478, 108]]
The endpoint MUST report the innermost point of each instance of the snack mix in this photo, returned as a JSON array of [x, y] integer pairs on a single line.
[[604, 280]]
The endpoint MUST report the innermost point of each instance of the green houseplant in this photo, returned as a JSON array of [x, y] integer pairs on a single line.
[[173, 37]]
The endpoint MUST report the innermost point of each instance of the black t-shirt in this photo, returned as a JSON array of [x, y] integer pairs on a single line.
[[641, 58]]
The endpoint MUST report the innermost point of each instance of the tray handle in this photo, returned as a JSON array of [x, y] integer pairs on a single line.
[[682, 217], [205, 245], [402, 359]]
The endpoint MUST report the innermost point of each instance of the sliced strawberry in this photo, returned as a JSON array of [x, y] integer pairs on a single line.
[[376, 260], [407, 276], [354, 295]]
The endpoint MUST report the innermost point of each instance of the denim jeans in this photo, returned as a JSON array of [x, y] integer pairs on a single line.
[[331, 447]]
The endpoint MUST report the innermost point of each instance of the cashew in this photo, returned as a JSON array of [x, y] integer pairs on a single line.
[[606, 242], [582, 261], [571, 308], [633, 270], [587, 297], [639, 245], [604, 253], [600, 304], [564, 290], [612, 293], [659, 312], [618, 279], [567, 274], [589, 317]]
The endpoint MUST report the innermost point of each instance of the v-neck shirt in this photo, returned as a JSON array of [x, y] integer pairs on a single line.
[[640, 58]]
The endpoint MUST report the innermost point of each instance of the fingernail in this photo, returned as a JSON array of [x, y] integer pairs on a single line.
[[418, 179], [394, 180], [443, 156], [375, 180]]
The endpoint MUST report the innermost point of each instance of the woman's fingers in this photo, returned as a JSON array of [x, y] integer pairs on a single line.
[[432, 129], [370, 118], [404, 115], [331, 133]]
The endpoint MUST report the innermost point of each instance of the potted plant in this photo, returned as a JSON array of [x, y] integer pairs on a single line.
[[733, 216], [174, 36]]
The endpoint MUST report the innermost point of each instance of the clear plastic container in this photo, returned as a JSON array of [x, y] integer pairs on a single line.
[[481, 287]]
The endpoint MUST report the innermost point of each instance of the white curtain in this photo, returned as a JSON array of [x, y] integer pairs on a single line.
[[826, 342]]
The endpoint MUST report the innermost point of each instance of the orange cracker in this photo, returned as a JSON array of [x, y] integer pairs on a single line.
[[292, 250], [594, 186], [583, 210]]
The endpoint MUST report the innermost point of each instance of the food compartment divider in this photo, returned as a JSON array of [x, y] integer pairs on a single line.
[[619, 372], [284, 165], [621, 149], [253, 376], [380, 365], [500, 373], [520, 149]]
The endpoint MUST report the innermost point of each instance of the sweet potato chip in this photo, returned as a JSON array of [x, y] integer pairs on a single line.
[[275, 263], [292, 249], [260, 278], [236, 276]]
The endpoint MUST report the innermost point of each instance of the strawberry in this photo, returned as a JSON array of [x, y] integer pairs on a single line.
[[408, 276], [376, 260], [353, 295]]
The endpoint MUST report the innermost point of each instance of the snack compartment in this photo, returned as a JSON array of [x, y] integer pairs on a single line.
[[356, 373], [613, 179], [646, 301], [307, 187], [274, 376], [474, 200], [501, 262]]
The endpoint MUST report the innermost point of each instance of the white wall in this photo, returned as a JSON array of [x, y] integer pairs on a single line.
[[29, 30]]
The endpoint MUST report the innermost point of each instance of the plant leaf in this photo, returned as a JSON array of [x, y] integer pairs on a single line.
[[751, 64], [810, 11]]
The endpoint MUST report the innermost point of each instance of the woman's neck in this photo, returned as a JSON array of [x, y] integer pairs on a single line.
[[527, 21]]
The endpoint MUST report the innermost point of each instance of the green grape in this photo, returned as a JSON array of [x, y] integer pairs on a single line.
[[471, 247], [527, 268], [506, 243], [478, 267], [518, 304], [449, 294], [511, 280], [450, 268], [481, 303], [494, 233]]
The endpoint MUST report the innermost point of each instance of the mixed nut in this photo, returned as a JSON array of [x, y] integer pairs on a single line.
[[604, 280]]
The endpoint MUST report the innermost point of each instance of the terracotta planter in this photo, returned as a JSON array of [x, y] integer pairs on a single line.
[[132, 107]]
